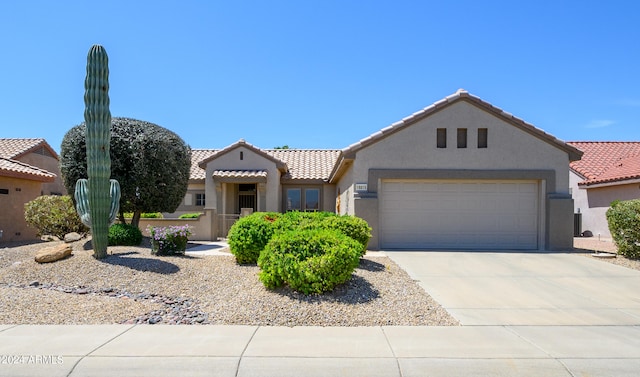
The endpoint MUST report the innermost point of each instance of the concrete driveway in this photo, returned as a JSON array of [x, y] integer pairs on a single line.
[[509, 288]]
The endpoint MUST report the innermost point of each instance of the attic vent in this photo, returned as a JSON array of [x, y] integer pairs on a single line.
[[241, 156]]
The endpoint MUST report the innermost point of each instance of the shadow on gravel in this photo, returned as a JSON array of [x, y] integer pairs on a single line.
[[142, 264], [369, 265]]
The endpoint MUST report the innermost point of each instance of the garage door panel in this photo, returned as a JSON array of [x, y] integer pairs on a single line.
[[459, 214]]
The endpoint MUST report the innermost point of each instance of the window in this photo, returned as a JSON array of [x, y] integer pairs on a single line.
[[307, 200], [462, 137], [200, 200], [4, 191], [293, 199], [442, 137], [311, 199], [482, 137]]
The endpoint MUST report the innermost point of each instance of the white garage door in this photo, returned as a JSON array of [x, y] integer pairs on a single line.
[[459, 214]]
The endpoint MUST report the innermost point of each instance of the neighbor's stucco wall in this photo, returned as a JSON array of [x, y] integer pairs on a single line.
[[12, 222], [50, 164], [593, 203]]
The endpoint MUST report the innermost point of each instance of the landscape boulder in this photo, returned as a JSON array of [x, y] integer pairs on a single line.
[[72, 237], [53, 253]]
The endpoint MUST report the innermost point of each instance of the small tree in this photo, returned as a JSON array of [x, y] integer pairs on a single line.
[[53, 215], [151, 163]]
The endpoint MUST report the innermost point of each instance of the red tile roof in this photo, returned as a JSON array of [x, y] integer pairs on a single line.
[[17, 169], [15, 148], [607, 161], [310, 164]]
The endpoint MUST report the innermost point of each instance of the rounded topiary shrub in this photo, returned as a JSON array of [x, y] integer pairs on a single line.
[[309, 261], [53, 215], [249, 235], [124, 235], [296, 220], [352, 226], [624, 224]]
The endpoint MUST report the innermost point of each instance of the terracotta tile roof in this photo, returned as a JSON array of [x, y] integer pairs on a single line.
[[17, 169], [460, 95], [310, 164], [240, 173], [197, 155], [241, 143], [15, 148], [607, 161], [307, 163]]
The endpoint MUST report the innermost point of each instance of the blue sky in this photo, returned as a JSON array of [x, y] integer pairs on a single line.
[[320, 74]]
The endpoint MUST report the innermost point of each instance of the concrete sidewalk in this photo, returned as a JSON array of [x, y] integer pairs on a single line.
[[145, 350], [522, 314]]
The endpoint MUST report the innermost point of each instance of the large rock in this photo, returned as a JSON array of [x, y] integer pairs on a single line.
[[72, 237], [53, 253]]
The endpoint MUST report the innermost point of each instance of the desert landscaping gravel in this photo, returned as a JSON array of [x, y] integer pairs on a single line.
[[133, 286]]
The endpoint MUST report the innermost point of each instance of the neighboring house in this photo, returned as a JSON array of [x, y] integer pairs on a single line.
[[459, 174], [28, 168], [608, 171]]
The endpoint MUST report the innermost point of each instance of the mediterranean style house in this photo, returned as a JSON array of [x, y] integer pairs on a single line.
[[458, 174], [28, 168], [608, 171]]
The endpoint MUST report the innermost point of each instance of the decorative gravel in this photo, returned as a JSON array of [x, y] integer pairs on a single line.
[[133, 286], [588, 246]]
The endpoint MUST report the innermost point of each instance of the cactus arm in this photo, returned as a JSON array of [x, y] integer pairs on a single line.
[[114, 193], [82, 202]]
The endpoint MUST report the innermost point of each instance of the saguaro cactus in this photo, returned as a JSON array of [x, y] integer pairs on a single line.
[[98, 198]]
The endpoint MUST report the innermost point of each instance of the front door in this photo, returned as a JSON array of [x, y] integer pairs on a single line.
[[247, 196]]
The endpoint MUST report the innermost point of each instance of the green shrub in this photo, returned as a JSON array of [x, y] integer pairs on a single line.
[[309, 261], [189, 215], [624, 224], [124, 235], [145, 215], [53, 215], [249, 235], [351, 226], [296, 220]]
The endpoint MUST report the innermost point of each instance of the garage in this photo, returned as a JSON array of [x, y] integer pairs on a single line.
[[459, 214]]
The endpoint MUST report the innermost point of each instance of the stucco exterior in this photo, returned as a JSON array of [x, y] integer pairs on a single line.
[[593, 202], [12, 222], [28, 168], [499, 147], [514, 151]]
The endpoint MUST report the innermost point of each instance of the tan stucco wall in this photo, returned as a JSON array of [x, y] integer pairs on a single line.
[[593, 203], [201, 227], [510, 149], [49, 164], [12, 222], [250, 161], [184, 207], [345, 187]]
